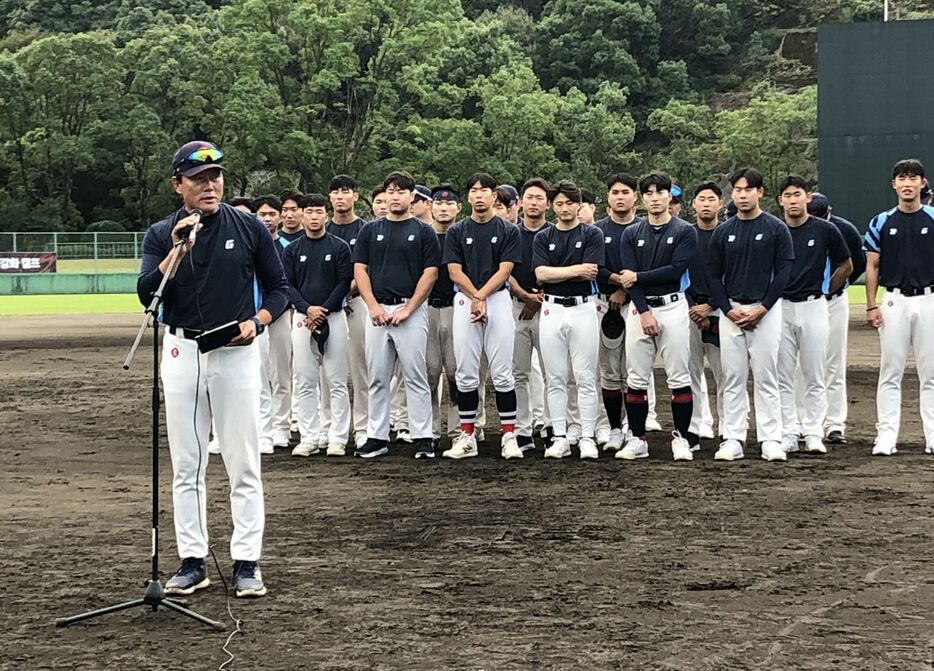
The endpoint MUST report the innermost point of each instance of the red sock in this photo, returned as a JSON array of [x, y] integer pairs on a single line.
[[467, 427], [509, 428]]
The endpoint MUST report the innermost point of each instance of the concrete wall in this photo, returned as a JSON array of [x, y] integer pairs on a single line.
[[67, 283]]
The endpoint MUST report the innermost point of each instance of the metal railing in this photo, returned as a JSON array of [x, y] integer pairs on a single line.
[[81, 252]]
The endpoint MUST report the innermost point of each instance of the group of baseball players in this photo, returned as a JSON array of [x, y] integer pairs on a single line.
[[566, 319]]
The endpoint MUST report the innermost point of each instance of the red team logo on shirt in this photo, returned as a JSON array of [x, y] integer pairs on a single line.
[[174, 352], [462, 301], [546, 313], [891, 303]]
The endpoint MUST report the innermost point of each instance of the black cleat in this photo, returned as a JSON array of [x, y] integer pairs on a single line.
[[247, 579], [424, 448], [373, 448], [836, 438], [191, 576]]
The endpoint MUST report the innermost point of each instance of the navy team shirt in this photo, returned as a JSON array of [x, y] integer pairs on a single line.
[[750, 261], [905, 244], [396, 254], [481, 248], [291, 237], [699, 291], [233, 258], [612, 235], [524, 272], [558, 249], [443, 288], [347, 232], [319, 272], [854, 242], [819, 246], [660, 255]]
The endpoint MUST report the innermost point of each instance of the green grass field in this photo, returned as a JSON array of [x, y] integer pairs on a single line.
[[66, 304], [99, 266]]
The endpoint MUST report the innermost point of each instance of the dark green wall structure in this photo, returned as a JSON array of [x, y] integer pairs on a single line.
[[875, 105]]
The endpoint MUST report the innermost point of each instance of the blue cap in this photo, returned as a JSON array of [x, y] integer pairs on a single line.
[[422, 192], [819, 205], [676, 193], [441, 193]]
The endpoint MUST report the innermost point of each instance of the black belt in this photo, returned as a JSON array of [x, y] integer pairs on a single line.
[[746, 301], [567, 301], [911, 291], [802, 299], [187, 334], [659, 301], [440, 302], [386, 300], [836, 294]]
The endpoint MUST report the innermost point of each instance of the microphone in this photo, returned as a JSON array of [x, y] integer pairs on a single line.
[[190, 232]]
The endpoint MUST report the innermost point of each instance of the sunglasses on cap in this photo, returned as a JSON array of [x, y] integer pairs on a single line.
[[204, 155]]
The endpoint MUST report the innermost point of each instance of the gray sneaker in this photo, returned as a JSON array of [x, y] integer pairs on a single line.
[[191, 576], [247, 579]]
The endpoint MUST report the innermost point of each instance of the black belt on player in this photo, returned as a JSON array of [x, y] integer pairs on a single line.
[[836, 294], [802, 298], [388, 300], [567, 301], [187, 334], [746, 301], [911, 291], [440, 302], [659, 301]]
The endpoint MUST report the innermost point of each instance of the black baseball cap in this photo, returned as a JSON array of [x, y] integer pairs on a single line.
[[513, 193], [422, 192], [444, 193], [320, 335], [819, 205], [195, 157]]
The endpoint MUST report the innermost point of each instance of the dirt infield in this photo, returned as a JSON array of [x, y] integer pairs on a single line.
[[820, 563]]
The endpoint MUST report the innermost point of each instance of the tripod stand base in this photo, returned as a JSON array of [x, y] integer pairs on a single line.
[[154, 597]]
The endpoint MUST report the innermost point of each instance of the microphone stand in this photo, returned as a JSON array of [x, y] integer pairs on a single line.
[[154, 596]]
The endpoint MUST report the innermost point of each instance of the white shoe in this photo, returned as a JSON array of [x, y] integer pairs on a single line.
[[588, 449], [636, 448], [790, 444], [706, 432], [574, 434], [293, 427], [615, 443], [480, 435], [929, 449], [772, 450], [652, 425], [405, 438], [265, 446], [814, 445], [884, 448], [680, 448], [280, 439], [730, 450], [559, 449], [510, 447], [305, 450], [214, 447], [336, 450], [603, 436], [465, 445]]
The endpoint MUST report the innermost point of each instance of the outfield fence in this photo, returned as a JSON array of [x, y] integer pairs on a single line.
[[100, 252]]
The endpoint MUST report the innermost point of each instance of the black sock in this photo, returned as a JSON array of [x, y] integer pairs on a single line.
[[682, 407], [637, 410], [693, 439], [613, 402], [506, 407], [467, 404]]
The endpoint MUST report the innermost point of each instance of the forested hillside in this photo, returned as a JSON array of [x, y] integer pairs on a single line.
[[94, 96]]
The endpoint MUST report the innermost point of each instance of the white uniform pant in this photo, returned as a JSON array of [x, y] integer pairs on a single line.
[[225, 384], [838, 310], [537, 391], [702, 420], [264, 424], [280, 371], [312, 371], [573, 330], [613, 367], [407, 343], [805, 329], [908, 322], [759, 348], [441, 369], [494, 336], [357, 320], [527, 352], [672, 343]]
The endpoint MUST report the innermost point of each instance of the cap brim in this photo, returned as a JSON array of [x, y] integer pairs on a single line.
[[191, 172]]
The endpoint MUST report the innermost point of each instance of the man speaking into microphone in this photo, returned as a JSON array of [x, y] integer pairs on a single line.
[[227, 261]]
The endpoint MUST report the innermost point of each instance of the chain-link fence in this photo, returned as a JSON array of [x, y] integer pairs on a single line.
[[99, 252]]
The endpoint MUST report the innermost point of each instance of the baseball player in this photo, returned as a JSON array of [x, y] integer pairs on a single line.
[[566, 258], [319, 272], [396, 261], [506, 205], [379, 202], [899, 247], [442, 365], [676, 195], [654, 256], [705, 317], [344, 192], [480, 252], [838, 308], [749, 262], [821, 266], [588, 207], [291, 216], [214, 284], [527, 299], [621, 197]]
